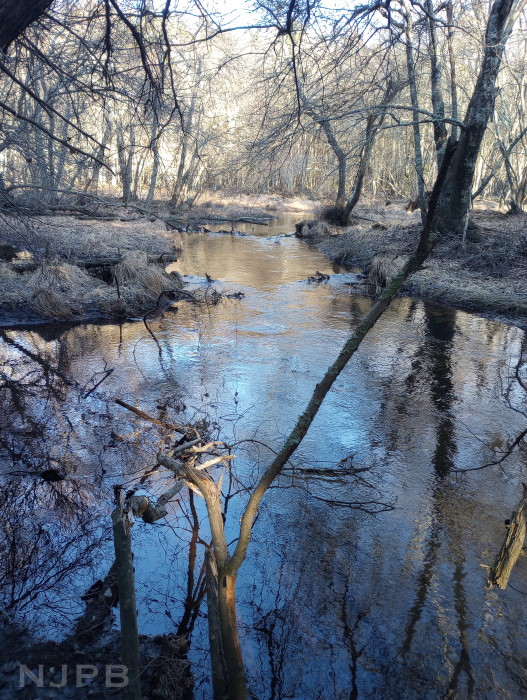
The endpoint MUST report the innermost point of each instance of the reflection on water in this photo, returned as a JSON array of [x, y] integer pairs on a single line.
[[333, 603]]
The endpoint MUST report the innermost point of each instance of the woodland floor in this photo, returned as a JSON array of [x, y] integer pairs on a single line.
[[487, 276]]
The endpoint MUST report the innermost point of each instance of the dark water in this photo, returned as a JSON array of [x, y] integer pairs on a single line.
[[333, 602]]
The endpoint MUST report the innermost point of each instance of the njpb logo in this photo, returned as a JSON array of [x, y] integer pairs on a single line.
[[115, 675]]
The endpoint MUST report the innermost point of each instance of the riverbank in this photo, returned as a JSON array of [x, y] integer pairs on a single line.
[[487, 276], [46, 258]]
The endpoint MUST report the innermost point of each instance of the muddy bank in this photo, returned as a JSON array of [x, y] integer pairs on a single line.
[[487, 276]]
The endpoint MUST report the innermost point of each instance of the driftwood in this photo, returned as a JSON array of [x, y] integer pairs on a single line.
[[235, 219], [110, 261], [512, 547], [183, 225], [247, 220]]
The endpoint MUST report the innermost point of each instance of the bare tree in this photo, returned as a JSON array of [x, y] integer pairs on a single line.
[[452, 213]]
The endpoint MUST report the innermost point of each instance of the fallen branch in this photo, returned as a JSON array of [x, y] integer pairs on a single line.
[[110, 261], [213, 461], [512, 547], [247, 220], [150, 419]]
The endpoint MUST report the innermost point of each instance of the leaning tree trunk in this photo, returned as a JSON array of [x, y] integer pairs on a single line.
[[512, 547], [454, 204], [373, 124]]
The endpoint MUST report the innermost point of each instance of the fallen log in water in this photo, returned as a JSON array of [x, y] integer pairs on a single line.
[[110, 261], [512, 547], [184, 225], [245, 219], [248, 220]]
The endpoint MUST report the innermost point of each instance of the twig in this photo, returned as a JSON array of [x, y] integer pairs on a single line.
[[145, 416], [106, 375]]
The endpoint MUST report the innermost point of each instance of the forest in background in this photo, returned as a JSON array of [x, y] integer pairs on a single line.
[[144, 101]]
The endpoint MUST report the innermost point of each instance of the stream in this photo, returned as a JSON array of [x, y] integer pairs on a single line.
[[366, 575]]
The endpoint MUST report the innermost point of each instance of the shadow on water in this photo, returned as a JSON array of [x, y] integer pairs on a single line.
[[333, 603], [433, 360]]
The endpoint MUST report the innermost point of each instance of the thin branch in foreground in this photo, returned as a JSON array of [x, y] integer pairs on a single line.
[[425, 246]]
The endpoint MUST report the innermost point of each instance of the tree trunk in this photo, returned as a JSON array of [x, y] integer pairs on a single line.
[[230, 640], [512, 547], [155, 163], [92, 183], [127, 603], [16, 16], [217, 661], [361, 171], [373, 123], [418, 154], [454, 204], [440, 132], [222, 598], [125, 158], [452, 62], [341, 160]]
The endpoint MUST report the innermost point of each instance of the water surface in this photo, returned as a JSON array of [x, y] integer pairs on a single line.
[[334, 602]]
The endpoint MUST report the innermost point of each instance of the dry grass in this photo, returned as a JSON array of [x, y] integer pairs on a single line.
[[141, 284], [314, 230], [134, 270], [485, 277], [70, 239], [64, 292], [58, 290], [383, 269]]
